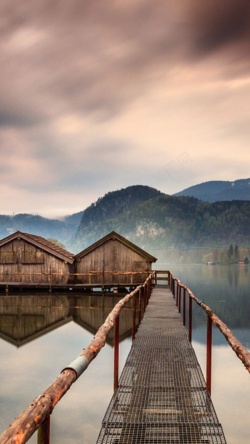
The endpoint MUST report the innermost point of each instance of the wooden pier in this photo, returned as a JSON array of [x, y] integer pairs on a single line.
[[162, 395]]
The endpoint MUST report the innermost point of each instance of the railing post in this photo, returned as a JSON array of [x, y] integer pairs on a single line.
[[190, 319], [116, 353], [177, 294], [43, 432], [209, 354], [179, 298], [140, 304], [144, 296], [134, 318], [184, 307], [175, 288]]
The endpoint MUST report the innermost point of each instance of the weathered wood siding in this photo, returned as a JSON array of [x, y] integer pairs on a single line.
[[106, 262], [24, 263]]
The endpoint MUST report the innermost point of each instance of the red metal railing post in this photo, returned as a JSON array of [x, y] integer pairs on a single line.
[[144, 295], [116, 353], [209, 354], [184, 307], [179, 299], [190, 319], [134, 318], [43, 432], [140, 304]]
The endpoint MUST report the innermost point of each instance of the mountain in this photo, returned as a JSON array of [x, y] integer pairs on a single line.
[[219, 190], [63, 230], [112, 212], [158, 222]]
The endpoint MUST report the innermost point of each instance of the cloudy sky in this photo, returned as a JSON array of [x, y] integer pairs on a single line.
[[98, 95]]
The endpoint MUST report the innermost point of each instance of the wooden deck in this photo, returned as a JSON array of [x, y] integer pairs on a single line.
[[162, 395]]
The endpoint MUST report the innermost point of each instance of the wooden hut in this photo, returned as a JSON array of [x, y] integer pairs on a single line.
[[114, 261], [29, 259]]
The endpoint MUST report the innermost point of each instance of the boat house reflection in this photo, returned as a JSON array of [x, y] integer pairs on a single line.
[[24, 318]]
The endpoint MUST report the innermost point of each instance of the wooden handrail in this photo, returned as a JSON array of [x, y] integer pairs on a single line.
[[242, 353], [41, 408]]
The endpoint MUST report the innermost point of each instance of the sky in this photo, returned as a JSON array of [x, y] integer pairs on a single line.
[[99, 95]]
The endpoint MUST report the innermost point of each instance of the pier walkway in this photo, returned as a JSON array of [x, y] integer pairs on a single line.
[[162, 395]]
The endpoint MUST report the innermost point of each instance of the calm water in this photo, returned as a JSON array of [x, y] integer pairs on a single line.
[[40, 335]]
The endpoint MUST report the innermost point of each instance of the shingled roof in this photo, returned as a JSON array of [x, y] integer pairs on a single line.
[[115, 236], [42, 243]]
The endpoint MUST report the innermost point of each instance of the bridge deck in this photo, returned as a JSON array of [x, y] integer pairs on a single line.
[[162, 396]]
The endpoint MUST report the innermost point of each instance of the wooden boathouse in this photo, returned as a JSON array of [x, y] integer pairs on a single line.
[[32, 260], [113, 260]]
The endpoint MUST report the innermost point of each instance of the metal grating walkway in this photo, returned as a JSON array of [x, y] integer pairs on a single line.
[[162, 396]]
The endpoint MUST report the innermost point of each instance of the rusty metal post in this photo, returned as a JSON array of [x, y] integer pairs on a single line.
[[148, 292], [175, 288], [145, 296], [177, 294], [179, 298], [116, 353], [190, 319], [140, 304], [184, 307], [134, 318], [143, 300], [168, 274], [43, 432], [209, 354]]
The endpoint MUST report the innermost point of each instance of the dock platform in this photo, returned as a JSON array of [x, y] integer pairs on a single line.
[[162, 395]]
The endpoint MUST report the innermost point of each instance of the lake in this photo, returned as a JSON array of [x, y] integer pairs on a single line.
[[41, 334]]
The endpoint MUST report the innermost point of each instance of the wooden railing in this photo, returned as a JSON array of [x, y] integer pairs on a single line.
[[91, 278], [37, 414], [180, 293]]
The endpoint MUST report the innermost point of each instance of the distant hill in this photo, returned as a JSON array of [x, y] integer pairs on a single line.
[[112, 212], [219, 190], [156, 221], [63, 231]]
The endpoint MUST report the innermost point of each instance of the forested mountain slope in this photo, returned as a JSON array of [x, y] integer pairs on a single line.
[[164, 221]]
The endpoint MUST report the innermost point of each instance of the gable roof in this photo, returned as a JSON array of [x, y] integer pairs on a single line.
[[115, 236], [41, 243]]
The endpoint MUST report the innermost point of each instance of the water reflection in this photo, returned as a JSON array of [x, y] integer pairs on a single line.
[[42, 333], [48, 332], [226, 289], [24, 318]]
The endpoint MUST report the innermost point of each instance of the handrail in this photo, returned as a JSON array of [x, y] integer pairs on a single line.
[[242, 353], [59, 278], [41, 408]]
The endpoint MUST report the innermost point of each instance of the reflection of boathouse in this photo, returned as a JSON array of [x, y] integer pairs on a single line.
[[24, 318], [29, 260]]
